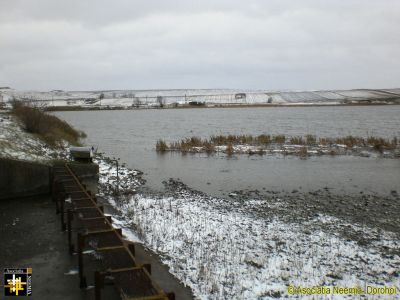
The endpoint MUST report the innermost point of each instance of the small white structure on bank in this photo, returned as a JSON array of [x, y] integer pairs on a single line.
[[83, 154]]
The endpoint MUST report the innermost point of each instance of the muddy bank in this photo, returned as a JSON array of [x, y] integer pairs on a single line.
[[367, 209], [254, 243], [370, 210], [268, 237]]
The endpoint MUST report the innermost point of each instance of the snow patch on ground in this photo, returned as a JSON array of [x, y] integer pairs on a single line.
[[224, 255], [223, 252]]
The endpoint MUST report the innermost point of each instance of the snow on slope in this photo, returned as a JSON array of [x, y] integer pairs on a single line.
[[18, 144]]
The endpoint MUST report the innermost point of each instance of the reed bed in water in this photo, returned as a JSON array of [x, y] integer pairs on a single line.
[[213, 143]]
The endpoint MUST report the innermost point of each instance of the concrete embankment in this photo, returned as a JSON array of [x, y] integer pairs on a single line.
[[23, 179], [20, 179]]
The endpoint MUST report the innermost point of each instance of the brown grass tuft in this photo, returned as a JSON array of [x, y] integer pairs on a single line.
[[208, 147], [303, 153], [264, 139], [350, 141], [297, 140], [47, 127], [326, 141], [279, 139], [311, 139], [161, 146], [229, 149]]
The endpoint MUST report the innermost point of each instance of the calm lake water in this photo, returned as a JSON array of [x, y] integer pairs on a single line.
[[131, 135]]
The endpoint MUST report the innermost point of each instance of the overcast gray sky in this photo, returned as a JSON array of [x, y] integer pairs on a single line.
[[160, 44]]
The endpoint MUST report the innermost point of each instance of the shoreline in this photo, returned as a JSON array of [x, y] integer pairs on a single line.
[[314, 221]]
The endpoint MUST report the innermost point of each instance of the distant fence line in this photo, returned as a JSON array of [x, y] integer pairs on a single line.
[[165, 99], [130, 99]]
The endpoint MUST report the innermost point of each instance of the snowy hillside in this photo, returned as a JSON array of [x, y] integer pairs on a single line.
[[154, 98]]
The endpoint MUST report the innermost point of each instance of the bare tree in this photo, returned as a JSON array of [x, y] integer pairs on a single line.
[[101, 97], [161, 101], [136, 102]]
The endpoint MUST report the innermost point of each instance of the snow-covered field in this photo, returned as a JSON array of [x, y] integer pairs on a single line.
[[151, 98]]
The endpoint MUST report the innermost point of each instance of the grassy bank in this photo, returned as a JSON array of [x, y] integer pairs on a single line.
[[48, 128]]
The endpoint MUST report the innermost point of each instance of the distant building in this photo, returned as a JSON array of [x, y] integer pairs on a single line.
[[240, 96], [91, 100], [197, 103]]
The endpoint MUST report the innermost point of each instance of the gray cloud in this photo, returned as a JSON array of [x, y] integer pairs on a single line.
[[199, 44]]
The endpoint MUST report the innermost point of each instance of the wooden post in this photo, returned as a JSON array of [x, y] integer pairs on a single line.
[[171, 296], [131, 247], [82, 279], [98, 284], [69, 229], [62, 202], [147, 267], [57, 199]]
